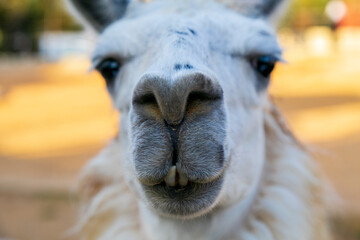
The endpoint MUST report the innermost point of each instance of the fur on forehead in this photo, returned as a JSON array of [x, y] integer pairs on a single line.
[[224, 30]]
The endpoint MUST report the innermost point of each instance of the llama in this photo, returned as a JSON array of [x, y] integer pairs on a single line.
[[202, 152]]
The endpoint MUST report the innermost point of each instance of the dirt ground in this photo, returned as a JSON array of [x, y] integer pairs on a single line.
[[53, 117]]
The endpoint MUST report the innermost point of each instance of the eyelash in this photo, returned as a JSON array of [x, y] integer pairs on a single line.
[[264, 65], [109, 68]]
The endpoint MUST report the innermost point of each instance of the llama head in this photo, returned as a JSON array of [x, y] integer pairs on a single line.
[[190, 81]]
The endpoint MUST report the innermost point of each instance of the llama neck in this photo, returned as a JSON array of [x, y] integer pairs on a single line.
[[218, 224], [288, 204]]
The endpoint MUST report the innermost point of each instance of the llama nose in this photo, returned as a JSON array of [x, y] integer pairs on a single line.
[[174, 97]]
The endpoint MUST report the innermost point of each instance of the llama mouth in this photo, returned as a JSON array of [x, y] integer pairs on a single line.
[[183, 201]]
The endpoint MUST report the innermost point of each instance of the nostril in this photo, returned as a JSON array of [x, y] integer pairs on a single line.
[[145, 99], [203, 96], [198, 96]]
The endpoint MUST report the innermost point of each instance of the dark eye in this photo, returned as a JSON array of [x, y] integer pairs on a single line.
[[264, 65], [109, 69]]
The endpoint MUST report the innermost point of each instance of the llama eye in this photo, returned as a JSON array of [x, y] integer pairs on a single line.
[[264, 65], [109, 68]]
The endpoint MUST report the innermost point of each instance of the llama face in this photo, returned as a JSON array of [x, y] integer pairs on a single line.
[[190, 83]]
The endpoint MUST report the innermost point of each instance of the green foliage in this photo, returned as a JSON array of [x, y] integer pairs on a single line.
[[33, 15], [26, 19], [305, 13]]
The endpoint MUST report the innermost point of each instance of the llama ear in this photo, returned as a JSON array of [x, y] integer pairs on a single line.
[[97, 14], [268, 9]]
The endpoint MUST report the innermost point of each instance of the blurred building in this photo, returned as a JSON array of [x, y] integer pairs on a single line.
[[54, 46]]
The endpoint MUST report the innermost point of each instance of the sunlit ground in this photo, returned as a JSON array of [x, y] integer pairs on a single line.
[[53, 117]]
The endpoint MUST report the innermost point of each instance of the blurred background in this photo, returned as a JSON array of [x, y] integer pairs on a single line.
[[54, 115]]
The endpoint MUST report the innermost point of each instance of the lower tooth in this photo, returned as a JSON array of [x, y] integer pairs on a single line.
[[170, 178], [183, 179]]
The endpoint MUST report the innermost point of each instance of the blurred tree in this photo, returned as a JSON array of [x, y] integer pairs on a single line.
[[306, 13], [21, 22]]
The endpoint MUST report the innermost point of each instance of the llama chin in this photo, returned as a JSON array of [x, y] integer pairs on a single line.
[[202, 152]]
